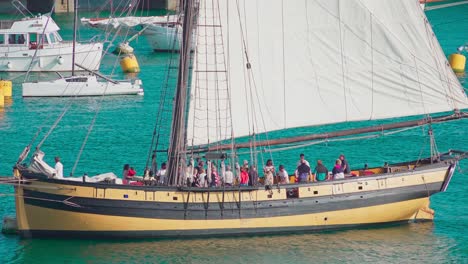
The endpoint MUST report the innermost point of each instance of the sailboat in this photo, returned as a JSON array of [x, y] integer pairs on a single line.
[[81, 85], [161, 31], [261, 67]]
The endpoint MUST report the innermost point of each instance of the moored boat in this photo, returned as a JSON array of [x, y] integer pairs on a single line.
[[34, 44], [81, 85]]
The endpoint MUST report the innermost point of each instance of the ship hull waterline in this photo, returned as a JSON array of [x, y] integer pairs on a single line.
[[53, 209]]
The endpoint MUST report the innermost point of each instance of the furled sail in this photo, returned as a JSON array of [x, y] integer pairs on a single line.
[[267, 65]]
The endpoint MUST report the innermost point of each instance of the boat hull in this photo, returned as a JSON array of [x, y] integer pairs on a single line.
[[165, 38], [55, 208], [61, 88], [51, 58], [61, 223]]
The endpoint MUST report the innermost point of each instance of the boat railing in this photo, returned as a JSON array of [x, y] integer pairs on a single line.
[[94, 39]]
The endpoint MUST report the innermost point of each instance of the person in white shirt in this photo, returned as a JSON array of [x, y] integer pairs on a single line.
[[161, 175], [283, 175], [228, 176], [58, 168], [301, 160]]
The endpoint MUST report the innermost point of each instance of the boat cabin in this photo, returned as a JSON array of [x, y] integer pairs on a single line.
[[33, 33]]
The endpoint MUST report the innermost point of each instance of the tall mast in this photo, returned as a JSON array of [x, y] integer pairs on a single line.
[[75, 18], [177, 142]]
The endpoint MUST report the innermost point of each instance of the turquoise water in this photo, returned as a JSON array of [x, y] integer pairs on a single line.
[[122, 134]]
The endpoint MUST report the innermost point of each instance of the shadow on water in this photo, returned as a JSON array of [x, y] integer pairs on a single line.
[[395, 244]]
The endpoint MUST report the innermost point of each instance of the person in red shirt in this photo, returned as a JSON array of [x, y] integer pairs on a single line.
[[131, 172], [244, 177]]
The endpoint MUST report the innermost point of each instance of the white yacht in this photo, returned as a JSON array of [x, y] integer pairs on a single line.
[[164, 36], [81, 85], [34, 44], [164, 33]]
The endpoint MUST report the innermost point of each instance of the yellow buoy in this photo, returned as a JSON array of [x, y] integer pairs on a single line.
[[129, 63], [457, 62], [7, 88]]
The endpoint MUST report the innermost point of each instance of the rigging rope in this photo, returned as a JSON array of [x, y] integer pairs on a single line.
[[160, 118], [91, 126], [380, 134]]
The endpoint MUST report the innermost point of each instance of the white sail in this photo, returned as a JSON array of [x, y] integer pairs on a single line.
[[314, 62]]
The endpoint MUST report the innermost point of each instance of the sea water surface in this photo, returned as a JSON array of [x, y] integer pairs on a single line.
[[122, 134]]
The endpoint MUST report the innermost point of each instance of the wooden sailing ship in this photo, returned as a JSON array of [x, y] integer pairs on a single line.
[[319, 62]]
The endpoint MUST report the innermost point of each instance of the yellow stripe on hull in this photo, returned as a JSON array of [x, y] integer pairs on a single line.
[[38, 218]]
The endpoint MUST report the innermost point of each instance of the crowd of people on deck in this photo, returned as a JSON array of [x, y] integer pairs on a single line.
[[216, 175]]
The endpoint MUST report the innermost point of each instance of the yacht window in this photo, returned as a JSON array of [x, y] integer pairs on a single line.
[[32, 38], [78, 79], [57, 36], [2, 39], [16, 39], [52, 38], [13, 38], [43, 39], [21, 39]]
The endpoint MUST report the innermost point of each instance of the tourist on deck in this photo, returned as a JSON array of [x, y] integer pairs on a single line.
[[253, 176], [161, 175], [302, 160], [214, 176], [125, 171], [202, 177], [189, 173], [201, 164], [344, 165], [228, 177], [282, 175], [320, 171], [303, 172], [244, 177], [195, 181], [245, 164], [269, 171], [58, 168], [131, 172], [337, 170], [237, 173]]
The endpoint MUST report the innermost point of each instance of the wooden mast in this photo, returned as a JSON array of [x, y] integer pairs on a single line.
[[177, 144], [342, 133]]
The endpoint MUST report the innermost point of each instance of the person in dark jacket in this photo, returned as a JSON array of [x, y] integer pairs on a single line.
[[302, 172], [253, 176], [344, 165]]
